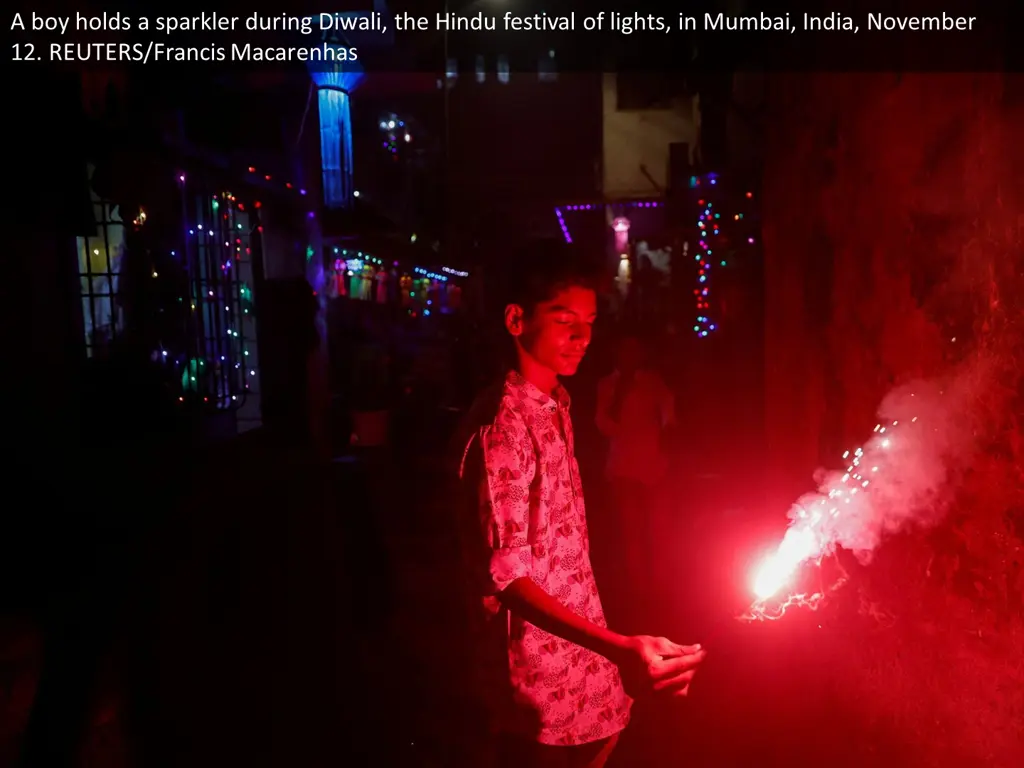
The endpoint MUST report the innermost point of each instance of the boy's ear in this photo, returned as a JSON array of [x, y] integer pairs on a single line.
[[514, 317]]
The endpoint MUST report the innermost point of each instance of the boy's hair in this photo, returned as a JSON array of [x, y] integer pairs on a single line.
[[541, 270]]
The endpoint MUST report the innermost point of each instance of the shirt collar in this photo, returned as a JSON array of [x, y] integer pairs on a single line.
[[530, 395]]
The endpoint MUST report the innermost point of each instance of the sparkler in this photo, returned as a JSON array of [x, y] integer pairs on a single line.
[[838, 514]]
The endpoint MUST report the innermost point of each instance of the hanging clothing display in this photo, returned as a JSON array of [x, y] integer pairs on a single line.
[[366, 287], [406, 286]]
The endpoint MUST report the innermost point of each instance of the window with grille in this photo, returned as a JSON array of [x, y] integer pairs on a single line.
[[196, 306], [101, 257]]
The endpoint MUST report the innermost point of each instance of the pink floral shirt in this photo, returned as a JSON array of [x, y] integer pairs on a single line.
[[534, 521]]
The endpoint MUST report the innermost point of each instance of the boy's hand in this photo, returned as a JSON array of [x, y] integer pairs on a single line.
[[657, 665]]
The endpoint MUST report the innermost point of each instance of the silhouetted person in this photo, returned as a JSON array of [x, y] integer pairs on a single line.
[[287, 312], [111, 489], [634, 408]]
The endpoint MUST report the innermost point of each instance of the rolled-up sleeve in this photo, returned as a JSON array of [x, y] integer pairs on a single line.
[[509, 467]]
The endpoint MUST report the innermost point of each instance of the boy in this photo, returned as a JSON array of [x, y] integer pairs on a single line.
[[557, 697]]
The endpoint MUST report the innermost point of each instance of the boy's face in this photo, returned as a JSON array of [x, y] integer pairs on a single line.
[[557, 333]]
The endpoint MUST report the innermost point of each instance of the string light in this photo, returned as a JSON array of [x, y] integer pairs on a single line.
[[564, 227], [707, 227], [714, 243], [346, 258], [713, 246], [430, 275], [215, 249], [560, 212]]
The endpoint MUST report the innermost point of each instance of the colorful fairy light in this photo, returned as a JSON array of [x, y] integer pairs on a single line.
[[712, 245], [214, 359], [713, 241], [346, 256], [430, 275], [707, 227], [259, 178], [216, 248]]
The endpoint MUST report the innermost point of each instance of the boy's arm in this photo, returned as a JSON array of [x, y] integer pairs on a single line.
[[509, 469], [527, 600], [506, 472]]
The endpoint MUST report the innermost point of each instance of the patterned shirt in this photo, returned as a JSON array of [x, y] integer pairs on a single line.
[[533, 518]]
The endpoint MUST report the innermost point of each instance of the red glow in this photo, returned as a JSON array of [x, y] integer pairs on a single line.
[[776, 570], [816, 527], [761, 612]]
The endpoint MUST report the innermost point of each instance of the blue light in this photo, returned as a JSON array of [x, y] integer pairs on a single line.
[[334, 84]]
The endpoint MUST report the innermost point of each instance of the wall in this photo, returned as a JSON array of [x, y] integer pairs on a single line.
[[894, 248], [642, 138], [745, 124], [516, 149], [864, 231]]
